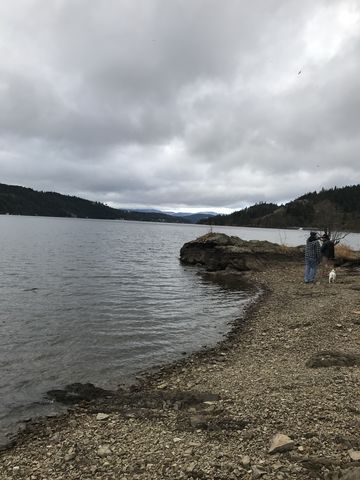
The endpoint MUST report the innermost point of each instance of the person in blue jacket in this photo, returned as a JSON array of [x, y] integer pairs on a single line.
[[312, 257]]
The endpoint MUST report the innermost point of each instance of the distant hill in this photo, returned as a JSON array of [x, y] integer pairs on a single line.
[[17, 200], [189, 217], [333, 209], [246, 217], [193, 217]]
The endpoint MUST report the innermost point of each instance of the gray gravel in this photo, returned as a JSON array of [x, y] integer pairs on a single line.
[[262, 383]]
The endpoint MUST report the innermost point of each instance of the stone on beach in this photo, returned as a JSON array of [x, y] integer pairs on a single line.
[[354, 455], [104, 450], [281, 443], [102, 416]]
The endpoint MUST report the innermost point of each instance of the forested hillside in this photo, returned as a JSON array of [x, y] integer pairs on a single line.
[[16, 200], [333, 209], [247, 216], [336, 208]]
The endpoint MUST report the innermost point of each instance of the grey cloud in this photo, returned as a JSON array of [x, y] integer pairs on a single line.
[[186, 102]]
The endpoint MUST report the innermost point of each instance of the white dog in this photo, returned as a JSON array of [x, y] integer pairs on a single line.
[[332, 276]]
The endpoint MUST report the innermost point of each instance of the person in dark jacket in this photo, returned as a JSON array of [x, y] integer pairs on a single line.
[[327, 254], [312, 257]]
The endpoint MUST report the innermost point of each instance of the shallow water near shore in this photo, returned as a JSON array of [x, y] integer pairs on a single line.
[[98, 301]]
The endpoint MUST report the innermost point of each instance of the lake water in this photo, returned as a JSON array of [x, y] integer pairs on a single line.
[[98, 301]]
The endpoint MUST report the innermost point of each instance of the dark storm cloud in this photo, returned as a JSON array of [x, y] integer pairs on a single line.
[[190, 103]]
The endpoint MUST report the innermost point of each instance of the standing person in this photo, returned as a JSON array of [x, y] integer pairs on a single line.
[[327, 254], [312, 257]]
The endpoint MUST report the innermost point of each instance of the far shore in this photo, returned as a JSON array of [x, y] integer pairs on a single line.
[[291, 368]]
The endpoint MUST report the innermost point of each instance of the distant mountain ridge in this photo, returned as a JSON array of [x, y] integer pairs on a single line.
[[335, 208], [190, 217], [193, 217]]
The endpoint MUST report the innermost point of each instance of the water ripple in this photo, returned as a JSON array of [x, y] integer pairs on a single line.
[[97, 301]]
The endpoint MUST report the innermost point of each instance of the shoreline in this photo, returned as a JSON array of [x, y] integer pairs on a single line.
[[138, 379], [205, 353], [141, 379], [213, 414]]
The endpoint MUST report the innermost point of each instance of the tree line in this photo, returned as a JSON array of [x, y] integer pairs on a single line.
[[335, 208], [17, 200]]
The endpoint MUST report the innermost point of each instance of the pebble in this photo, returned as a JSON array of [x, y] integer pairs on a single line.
[[245, 460], [354, 455], [258, 471], [102, 416], [104, 450]]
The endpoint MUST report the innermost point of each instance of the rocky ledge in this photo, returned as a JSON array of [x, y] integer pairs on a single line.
[[217, 251], [277, 400]]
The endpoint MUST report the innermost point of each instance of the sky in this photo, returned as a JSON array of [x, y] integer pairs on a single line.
[[184, 105]]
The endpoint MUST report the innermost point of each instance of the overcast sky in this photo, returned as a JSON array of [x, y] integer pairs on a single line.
[[180, 104]]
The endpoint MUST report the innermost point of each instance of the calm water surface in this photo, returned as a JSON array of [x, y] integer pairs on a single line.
[[97, 301]]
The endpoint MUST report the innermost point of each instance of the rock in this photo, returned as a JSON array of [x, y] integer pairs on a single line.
[[190, 468], [281, 443], [245, 460], [161, 386], [78, 392], [102, 416], [333, 359], [56, 437], [258, 471], [71, 454], [104, 451], [276, 466], [354, 454], [217, 251]]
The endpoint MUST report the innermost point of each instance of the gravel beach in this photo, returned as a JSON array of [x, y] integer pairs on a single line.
[[278, 399]]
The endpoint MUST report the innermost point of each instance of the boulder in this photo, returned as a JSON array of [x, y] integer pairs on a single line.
[[217, 251], [78, 392]]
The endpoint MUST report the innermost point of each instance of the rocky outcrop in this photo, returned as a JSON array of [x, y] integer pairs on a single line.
[[77, 393], [217, 251]]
